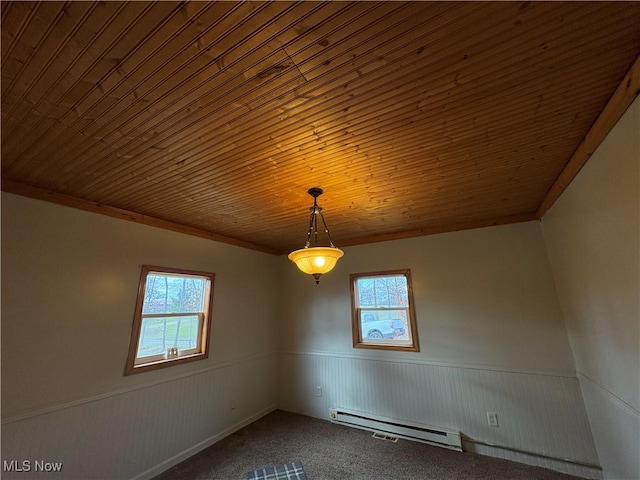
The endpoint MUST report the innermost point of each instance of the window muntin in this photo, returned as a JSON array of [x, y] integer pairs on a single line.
[[172, 318], [382, 311]]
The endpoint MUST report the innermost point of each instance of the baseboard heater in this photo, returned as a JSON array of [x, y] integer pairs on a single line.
[[410, 431]]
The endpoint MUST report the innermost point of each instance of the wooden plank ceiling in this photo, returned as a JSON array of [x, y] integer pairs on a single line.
[[216, 117]]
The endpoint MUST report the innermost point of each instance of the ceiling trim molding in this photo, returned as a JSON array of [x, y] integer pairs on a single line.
[[25, 190], [621, 99], [468, 225]]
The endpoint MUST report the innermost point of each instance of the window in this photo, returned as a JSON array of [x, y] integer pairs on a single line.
[[172, 319], [382, 311]]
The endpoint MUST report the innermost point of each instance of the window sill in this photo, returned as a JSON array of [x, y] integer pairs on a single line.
[[399, 348], [164, 363]]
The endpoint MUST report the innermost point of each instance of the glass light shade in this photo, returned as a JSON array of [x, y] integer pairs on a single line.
[[316, 261]]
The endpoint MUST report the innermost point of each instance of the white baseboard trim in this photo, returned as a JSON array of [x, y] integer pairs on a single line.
[[570, 467], [580, 463], [189, 452]]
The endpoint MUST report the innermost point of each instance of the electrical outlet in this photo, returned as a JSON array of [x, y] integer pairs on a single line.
[[492, 417], [318, 391]]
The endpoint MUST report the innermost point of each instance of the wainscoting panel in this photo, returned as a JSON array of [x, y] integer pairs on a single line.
[[616, 429], [537, 413], [141, 432]]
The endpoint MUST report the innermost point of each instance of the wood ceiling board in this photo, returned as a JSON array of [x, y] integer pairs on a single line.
[[91, 82], [519, 140], [341, 39], [133, 138], [168, 140], [123, 94], [220, 116], [15, 17], [431, 230], [391, 167], [484, 194], [420, 42]]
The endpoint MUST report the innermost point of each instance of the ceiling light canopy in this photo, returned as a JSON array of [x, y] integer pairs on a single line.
[[316, 260]]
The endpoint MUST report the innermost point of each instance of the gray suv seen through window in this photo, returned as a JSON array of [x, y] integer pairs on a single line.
[[374, 328]]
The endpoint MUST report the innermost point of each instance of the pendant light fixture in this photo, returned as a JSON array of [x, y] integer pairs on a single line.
[[316, 260]]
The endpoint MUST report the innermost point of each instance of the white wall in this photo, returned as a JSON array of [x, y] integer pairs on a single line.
[[593, 238], [492, 338], [69, 285]]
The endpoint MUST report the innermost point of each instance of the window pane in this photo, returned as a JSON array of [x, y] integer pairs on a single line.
[[159, 333], [382, 311], [366, 296], [383, 291], [378, 324], [173, 294]]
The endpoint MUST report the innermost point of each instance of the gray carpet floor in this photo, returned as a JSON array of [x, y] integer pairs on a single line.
[[335, 452]]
